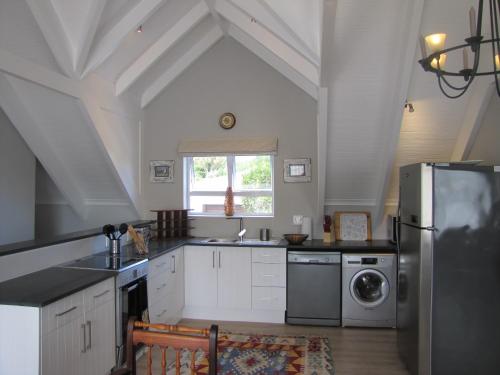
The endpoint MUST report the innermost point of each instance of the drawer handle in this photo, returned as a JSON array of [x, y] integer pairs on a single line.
[[269, 275], [268, 299], [161, 265], [58, 315], [160, 314], [266, 255], [102, 294], [161, 286]]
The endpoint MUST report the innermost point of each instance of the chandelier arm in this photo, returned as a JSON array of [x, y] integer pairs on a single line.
[[453, 87], [494, 35], [448, 95]]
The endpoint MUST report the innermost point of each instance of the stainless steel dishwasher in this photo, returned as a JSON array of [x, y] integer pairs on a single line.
[[313, 288]]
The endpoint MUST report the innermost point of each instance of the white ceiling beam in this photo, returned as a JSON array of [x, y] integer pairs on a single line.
[[112, 38], [403, 70], [96, 9], [481, 93], [53, 32], [217, 18], [33, 134], [160, 47], [329, 10], [277, 24], [181, 65], [269, 40], [273, 60], [29, 71], [322, 139]]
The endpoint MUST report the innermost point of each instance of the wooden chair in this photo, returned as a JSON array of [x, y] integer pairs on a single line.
[[169, 336]]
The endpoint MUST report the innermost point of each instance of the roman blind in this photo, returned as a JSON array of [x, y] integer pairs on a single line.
[[242, 146]]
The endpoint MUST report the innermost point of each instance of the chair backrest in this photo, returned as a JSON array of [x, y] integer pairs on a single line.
[[176, 337]]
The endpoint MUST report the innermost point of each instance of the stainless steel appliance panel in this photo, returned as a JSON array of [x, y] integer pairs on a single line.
[[314, 288]]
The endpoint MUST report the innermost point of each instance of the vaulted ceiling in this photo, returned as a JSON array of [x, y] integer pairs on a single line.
[[356, 58]]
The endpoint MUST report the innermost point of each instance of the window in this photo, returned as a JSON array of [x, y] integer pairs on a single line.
[[207, 178]]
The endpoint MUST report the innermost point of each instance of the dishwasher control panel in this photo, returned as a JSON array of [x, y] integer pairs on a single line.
[[314, 258]]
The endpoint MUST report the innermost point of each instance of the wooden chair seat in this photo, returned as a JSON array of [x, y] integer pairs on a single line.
[[166, 336]]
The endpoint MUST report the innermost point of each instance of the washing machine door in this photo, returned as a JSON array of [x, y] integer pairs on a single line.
[[369, 288]]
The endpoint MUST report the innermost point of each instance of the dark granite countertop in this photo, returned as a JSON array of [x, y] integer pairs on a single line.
[[18, 247], [41, 288], [373, 246]]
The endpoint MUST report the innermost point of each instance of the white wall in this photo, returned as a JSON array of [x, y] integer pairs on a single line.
[[17, 185], [229, 78], [487, 143]]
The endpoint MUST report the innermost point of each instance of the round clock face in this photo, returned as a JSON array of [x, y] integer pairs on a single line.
[[227, 120]]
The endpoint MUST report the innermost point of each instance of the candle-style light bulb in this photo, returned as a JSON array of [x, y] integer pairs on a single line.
[[497, 61], [472, 20], [442, 62], [466, 59], [422, 47], [435, 42]]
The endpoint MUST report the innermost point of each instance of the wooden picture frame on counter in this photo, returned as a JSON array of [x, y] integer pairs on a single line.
[[353, 226]]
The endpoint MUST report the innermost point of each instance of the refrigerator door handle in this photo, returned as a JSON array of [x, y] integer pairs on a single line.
[[432, 229]]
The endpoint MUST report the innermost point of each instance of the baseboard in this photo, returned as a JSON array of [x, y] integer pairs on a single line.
[[257, 316]]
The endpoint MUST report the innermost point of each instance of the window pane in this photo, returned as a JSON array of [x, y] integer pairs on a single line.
[[209, 205], [255, 205], [209, 174], [253, 172]]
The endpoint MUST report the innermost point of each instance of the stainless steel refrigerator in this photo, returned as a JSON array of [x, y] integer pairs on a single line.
[[449, 269]]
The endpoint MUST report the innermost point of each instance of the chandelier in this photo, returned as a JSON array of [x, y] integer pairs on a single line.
[[435, 61]]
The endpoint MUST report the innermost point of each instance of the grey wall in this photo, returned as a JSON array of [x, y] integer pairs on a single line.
[[229, 78], [17, 185], [487, 143]]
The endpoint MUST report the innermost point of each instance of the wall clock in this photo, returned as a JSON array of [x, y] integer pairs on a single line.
[[227, 120]]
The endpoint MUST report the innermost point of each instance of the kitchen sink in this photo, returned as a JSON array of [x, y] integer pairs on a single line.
[[246, 241]]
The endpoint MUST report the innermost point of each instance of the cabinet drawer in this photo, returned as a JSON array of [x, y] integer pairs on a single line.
[[162, 310], [159, 265], [99, 294], [268, 274], [268, 255], [62, 312], [159, 286], [268, 298]]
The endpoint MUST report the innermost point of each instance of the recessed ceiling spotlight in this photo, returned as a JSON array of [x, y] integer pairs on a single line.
[[139, 29], [409, 106]]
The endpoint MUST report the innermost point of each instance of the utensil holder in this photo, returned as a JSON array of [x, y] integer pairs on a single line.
[[114, 246], [265, 234]]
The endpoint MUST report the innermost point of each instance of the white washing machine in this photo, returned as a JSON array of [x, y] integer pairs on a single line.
[[369, 290]]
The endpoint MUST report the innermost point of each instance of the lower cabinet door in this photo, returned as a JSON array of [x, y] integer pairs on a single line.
[[234, 277], [63, 349], [159, 311], [100, 339], [200, 276]]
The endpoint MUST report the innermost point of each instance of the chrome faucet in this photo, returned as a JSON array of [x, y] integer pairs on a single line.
[[242, 231]]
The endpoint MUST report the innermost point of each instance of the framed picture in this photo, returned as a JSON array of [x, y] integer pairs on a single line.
[[353, 226], [161, 170], [297, 170]]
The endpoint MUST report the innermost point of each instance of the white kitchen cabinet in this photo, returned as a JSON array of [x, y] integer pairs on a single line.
[[269, 279], [78, 332], [234, 278], [166, 287], [200, 276]]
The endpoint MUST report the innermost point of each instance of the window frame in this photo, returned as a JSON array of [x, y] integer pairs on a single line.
[[231, 170]]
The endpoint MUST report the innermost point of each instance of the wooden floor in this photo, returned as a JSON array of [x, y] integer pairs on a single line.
[[356, 351]]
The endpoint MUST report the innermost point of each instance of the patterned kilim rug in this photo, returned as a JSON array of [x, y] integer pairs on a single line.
[[265, 354]]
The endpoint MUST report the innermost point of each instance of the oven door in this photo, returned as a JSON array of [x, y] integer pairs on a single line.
[[132, 300]]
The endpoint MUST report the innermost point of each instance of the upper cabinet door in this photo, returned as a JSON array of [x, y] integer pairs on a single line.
[[235, 277], [200, 276]]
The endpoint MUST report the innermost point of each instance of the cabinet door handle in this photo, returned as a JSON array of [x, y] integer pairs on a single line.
[[58, 315], [173, 258], [101, 294], [219, 260], [89, 326], [84, 338], [160, 265], [160, 314], [213, 259], [161, 286]]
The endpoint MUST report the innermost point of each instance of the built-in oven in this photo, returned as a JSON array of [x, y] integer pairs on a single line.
[[131, 300]]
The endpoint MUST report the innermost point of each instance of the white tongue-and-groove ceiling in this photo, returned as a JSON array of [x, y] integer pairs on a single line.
[[357, 58]]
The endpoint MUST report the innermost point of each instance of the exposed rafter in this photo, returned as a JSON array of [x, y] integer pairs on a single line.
[[481, 94], [29, 71], [180, 65], [217, 18], [112, 38], [162, 45], [33, 134], [269, 40], [400, 90], [53, 31], [272, 59]]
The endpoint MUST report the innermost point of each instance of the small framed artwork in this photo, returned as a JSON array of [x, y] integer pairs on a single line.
[[161, 170], [353, 226], [297, 170]]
